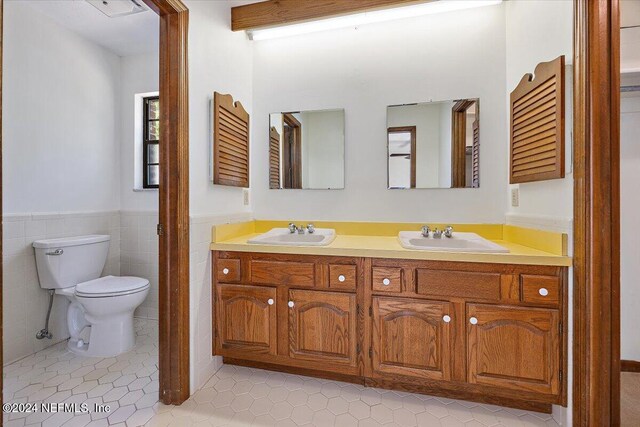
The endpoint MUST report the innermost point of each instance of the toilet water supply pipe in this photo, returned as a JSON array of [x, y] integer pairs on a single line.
[[44, 333]]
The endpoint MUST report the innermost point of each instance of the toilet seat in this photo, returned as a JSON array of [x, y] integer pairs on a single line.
[[111, 286]]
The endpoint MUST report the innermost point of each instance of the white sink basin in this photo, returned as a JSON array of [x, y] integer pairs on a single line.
[[282, 236], [460, 242]]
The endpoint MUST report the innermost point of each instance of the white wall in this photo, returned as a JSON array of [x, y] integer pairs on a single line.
[[219, 61], [444, 167], [60, 161], [426, 118], [539, 31], [139, 74], [364, 71], [60, 122], [630, 226], [323, 149]]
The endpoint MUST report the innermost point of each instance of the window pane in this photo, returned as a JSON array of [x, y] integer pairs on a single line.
[[154, 109], [153, 175], [153, 153], [154, 131]]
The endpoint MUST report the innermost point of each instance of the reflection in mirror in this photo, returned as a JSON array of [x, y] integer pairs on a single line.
[[434, 145], [306, 150]]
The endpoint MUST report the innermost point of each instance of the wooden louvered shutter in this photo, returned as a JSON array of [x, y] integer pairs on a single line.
[[231, 142], [475, 155], [274, 158], [537, 125]]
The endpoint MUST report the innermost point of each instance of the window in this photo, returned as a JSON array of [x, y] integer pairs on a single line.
[[151, 143]]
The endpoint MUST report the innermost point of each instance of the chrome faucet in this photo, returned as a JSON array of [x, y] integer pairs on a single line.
[[301, 229], [425, 231], [437, 234], [311, 228], [448, 231], [292, 228]]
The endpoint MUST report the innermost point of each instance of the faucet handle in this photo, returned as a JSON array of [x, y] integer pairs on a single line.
[[425, 231], [292, 228], [311, 228], [437, 234], [448, 231], [301, 229]]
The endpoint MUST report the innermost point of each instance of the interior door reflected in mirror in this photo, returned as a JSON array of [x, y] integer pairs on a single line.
[[434, 145], [306, 150]]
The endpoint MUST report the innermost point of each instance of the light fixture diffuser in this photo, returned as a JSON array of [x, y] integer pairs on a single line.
[[117, 8], [358, 19]]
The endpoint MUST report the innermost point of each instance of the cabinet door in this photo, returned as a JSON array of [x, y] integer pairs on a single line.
[[412, 338], [515, 348], [246, 319], [322, 326]]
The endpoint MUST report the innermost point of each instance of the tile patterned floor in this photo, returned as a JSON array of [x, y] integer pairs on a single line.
[[237, 396], [127, 383], [234, 396]]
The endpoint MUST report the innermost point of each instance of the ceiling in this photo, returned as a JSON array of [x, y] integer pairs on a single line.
[[126, 35]]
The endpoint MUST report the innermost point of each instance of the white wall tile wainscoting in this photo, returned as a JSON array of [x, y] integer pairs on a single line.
[[133, 251], [24, 301]]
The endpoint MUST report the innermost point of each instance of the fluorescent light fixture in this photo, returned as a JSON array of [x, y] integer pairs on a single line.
[[117, 8], [439, 6]]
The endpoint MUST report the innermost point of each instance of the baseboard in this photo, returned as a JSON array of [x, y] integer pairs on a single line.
[[629, 366]]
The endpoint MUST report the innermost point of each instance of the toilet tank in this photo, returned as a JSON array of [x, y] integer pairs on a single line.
[[65, 262]]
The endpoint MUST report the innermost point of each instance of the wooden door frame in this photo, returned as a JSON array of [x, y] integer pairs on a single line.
[[413, 131], [295, 151], [1, 209], [459, 142], [173, 230], [596, 314]]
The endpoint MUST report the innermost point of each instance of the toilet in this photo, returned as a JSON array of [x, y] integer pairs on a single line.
[[101, 306]]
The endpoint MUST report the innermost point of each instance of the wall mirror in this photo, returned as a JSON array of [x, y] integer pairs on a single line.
[[306, 150], [434, 145]]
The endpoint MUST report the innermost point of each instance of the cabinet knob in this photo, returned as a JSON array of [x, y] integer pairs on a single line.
[[225, 271], [290, 304], [473, 321], [386, 282], [544, 292], [446, 318], [270, 301], [341, 278]]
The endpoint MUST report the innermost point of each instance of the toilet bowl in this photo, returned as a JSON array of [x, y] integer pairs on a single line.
[[100, 313]]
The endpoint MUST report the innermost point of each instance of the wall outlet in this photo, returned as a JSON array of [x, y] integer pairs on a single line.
[[245, 196], [515, 197]]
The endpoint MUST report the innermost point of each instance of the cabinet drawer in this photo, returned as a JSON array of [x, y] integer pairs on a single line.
[[459, 284], [342, 276], [543, 290], [228, 270], [387, 279], [283, 273]]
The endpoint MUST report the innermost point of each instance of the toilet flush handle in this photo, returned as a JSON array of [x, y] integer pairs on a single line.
[[56, 252]]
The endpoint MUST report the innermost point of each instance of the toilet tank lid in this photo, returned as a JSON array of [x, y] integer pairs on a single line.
[[71, 241]]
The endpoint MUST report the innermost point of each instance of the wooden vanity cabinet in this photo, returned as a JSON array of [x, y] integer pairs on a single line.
[[411, 338], [484, 332], [246, 319], [514, 348], [322, 326], [290, 311]]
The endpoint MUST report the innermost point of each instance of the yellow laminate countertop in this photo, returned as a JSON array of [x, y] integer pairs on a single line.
[[235, 239]]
